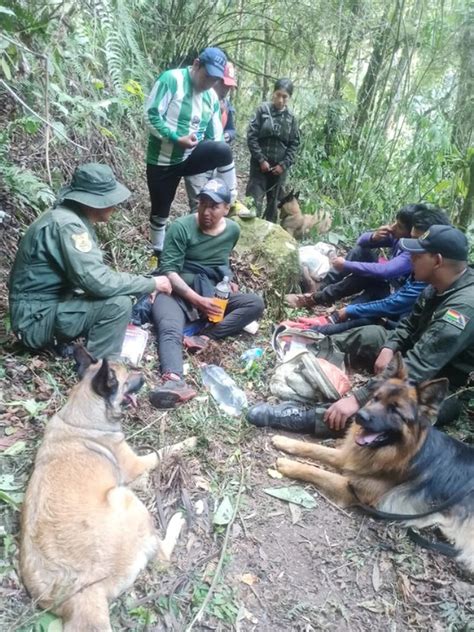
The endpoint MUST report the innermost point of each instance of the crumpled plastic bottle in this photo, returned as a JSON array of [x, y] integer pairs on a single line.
[[250, 356], [224, 390]]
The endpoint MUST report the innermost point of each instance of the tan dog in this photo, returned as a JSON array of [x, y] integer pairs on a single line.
[[85, 535], [298, 224], [393, 460]]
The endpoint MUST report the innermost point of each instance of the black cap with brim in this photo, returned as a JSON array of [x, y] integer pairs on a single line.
[[449, 242], [217, 190], [94, 185], [412, 245], [214, 196]]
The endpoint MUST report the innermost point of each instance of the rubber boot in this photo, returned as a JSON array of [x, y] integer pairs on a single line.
[[292, 416]]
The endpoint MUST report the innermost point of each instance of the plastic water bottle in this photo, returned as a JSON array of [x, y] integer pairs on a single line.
[[221, 298], [251, 356], [224, 390]]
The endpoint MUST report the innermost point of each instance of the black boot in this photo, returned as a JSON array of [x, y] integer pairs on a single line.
[[291, 416]]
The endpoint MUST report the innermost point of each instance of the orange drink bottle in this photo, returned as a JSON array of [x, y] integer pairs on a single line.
[[221, 298]]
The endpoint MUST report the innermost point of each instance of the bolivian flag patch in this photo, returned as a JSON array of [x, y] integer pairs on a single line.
[[455, 318]]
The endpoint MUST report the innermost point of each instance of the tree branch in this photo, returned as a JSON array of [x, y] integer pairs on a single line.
[[27, 107]]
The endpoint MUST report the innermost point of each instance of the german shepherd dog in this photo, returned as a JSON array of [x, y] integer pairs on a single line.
[[85, 535], [393, 460], [298, 224]]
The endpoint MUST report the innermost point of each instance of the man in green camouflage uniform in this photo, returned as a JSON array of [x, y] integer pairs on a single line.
[[436, 340], [60, 287]]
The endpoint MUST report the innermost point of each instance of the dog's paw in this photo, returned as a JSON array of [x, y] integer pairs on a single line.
[[280, 442], [173, 531], [285, 466], [151, 460]]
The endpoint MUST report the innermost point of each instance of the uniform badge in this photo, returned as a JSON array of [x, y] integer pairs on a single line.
[[82, 242], [213, 185], [425, 235], [456, 318]]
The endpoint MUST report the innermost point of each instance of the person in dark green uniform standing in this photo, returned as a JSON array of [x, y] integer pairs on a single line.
[[273, 139], [59, 287], [436, 339]]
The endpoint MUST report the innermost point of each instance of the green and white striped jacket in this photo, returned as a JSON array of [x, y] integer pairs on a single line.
[[174, 109]]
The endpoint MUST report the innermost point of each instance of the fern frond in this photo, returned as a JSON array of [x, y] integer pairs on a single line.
[[23, 185]]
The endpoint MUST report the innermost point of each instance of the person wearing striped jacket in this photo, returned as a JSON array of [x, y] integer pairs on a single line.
[[186, 137]]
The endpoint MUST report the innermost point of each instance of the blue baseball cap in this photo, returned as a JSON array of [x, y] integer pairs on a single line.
[[217, 190], [214, 61]]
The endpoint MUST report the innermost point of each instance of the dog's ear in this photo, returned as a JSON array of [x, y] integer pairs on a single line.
[[105, 382], [432, 393], [396, 368], [83, 359], [296, 195]]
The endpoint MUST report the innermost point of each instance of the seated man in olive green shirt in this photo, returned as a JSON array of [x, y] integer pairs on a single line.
[[60, 287], [196, 258]]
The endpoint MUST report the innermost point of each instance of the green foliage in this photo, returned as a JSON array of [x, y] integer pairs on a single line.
[[222, 605], [94, 63], [23, 183]]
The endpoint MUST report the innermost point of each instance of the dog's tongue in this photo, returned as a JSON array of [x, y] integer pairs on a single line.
[[367, 438], [131, 399]]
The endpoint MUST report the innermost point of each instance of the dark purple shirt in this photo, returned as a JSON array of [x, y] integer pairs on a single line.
[[398, 266]]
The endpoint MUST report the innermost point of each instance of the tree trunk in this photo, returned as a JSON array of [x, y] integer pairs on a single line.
[[467, 213], [331, 127], [266, 61], [365, 97], [463, 119]]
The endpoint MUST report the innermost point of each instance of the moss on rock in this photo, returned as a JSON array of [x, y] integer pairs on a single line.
[[272, 256]]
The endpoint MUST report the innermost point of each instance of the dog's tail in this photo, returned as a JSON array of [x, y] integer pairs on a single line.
[[86, 610]]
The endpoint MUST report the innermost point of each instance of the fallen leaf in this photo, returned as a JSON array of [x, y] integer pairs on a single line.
[[376, 581], [7, 483], [36, 363], [15, 449], [373, 606], [405, 586], [199, 507], [295, 512], [249, 579], [6, 442], [224, 512], [242, 615], [274, 473], [48, 623], [202, 483], [293, 494]]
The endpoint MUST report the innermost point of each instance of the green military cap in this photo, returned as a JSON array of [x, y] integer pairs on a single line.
[[94, 185]]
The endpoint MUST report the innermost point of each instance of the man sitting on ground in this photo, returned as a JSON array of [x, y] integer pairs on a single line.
[[60, 287], [436, 340], [360, 272], [195, 259], [387, 311]]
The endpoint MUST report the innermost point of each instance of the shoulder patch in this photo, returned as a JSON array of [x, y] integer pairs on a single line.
[[456, 318], [82, 242]]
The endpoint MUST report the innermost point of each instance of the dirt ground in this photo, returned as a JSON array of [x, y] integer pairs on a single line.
[[273, 566]]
